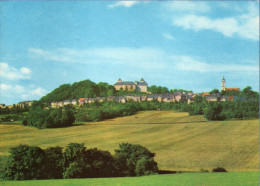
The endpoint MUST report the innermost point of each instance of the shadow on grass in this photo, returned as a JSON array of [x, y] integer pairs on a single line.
[[168, 172]]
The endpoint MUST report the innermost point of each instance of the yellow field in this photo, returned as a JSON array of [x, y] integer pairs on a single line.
[[180, 141]]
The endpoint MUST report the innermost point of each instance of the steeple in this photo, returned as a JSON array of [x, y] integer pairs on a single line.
[[223, 88]]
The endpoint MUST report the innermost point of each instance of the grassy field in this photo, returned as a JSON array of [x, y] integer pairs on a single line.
[[181, 142], [221, 179]]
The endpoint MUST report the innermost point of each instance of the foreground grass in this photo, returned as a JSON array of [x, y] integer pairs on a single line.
[[221, 179], [181, 142]]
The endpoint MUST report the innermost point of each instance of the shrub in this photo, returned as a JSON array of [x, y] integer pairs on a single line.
[[74, 170], [219, 169], [31, 162], [128, 156], [50, 118], [25, 163], [54, 163], [145, 166]]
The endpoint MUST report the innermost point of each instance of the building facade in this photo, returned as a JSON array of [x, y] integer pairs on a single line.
[[131, 86]]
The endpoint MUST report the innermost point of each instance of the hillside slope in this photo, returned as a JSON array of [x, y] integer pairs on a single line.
[[180, 141], [81, 89]]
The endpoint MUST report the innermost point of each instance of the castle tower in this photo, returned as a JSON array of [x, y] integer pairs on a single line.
[[223, 84]]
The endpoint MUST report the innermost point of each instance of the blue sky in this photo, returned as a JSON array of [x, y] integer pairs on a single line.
[[178, 44]]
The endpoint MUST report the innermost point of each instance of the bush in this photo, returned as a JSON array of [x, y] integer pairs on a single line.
[[74, 170], [54, 163], [132, 160], [30, 162], [25, 163], [50, 118], [219, 169], [145, 166], [100, 163]]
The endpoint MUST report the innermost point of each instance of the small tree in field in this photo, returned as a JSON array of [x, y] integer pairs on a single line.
[[219, 169], [25, 163], [132, 160]]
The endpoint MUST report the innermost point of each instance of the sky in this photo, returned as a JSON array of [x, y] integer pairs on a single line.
[[177, 44]]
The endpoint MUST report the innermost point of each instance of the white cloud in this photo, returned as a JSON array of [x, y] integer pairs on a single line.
[[38, 92], [25, 70], [186, 63], [123, 3], [12, 73], [227, 26], [21, 92], [244, 26], [168, 36], [187, 6], [145, 58]]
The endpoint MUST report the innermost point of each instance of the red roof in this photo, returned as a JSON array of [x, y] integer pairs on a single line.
[[205, 94], [230, 98], [232, 89]]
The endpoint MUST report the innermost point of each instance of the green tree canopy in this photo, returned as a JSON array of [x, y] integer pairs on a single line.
[[128, 156]]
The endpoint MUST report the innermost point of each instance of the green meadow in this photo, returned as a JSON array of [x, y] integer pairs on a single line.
[[181, 142], [221, 179]]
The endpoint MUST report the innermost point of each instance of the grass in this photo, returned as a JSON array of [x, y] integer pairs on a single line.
[[181, 142], [221, 179]]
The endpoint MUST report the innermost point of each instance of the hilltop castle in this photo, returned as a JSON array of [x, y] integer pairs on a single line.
[[223, 87], [130, 85]]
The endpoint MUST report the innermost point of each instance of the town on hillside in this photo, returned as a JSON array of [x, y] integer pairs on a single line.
[[141, 86]]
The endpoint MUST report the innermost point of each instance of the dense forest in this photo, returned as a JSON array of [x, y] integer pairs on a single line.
[[76, 161], [82, 89]]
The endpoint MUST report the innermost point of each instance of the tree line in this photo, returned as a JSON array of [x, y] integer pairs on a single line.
[[245, 107], [42, 117], [92, 112], [76, 161]]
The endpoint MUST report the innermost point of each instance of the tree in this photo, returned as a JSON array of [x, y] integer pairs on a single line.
[[214, 91], [145, 166], [74, 161], [219, 169], [127, 157], [74, 170], [165, 90], [198, 99], [100, 163], [26, 163], [54, 164], [249, 93], [213, 111], [67, 117]]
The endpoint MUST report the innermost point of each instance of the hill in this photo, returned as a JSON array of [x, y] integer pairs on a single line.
[[81, 89], [181, 142]]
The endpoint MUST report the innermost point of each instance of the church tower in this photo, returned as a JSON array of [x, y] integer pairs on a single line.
[[223, 84]]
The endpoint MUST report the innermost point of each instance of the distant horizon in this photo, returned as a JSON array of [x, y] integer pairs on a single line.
[[187, 45], [128, 80]]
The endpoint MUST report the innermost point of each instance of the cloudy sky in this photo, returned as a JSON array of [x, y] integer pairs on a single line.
[[189, 45]]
